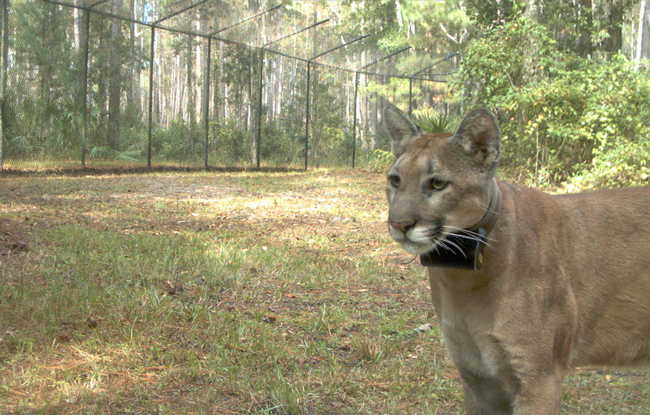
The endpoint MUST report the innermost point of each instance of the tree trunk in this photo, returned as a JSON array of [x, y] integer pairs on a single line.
[[78, 27], [643, 34], [532, 10], [585, 28], [219, 96], [314, 142], [133, 83], [47, 72], [115, 84], [614, 27], [255, 95], [79, 41]]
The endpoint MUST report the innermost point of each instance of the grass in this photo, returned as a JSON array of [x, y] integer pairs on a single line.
[[229, 293]]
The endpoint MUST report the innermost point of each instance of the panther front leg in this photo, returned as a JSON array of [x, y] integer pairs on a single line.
[[493, 395], [483, 396], [506, 378], [542, 395]]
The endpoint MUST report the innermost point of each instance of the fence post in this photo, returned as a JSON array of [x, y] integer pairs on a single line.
[[3, 82], [307, 115], [308, 73], [84, 127], [354, 119], [206, 100], [356, 85], [421, 71], [258, 136], [150, 126]]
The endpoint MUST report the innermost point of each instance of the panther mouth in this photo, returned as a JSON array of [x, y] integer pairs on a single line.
[[437, 239], [418, 239]]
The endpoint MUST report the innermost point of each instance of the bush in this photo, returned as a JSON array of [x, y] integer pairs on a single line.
[[565, 120], [232, 143], [179, 142], [281, 145], [433, 122], [379, 161]]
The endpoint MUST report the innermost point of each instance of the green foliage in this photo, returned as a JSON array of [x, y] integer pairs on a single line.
[[586, 30], [431, 27], [379, 161], [621, 165], [281, 145], [40, 129], [107, 153], [433, 122], [577, 27], [490, 13], [503, 60], [564, 119], [396, 88], [179, 141], [232, 144]]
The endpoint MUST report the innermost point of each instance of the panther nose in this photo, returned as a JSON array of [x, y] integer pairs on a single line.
[[402, 226]]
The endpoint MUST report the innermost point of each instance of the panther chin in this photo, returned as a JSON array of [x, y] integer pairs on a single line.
[[417, 248]]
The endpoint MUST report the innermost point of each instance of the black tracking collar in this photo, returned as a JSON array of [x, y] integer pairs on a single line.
[[461, 251]]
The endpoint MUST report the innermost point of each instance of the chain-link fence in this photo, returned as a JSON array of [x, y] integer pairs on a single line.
[[85, 86]]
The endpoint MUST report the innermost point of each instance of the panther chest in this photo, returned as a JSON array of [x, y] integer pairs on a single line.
[[468, 328]]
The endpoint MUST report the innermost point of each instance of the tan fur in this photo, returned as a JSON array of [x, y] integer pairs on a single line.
[[565, 280]]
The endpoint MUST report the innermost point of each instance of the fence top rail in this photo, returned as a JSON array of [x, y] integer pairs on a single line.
[[296, 32], [90, 7], [249, 18]]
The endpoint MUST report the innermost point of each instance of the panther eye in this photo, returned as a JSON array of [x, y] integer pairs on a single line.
[[437, 184], [394, 180]]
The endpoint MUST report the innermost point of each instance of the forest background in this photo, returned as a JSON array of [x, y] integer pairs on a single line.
[[568, 80]]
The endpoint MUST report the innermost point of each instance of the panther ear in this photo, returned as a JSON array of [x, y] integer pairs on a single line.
[[400, 128], [480, 136]]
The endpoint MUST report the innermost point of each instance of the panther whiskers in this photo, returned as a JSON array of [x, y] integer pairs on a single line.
[[449, 245], [471, 235]]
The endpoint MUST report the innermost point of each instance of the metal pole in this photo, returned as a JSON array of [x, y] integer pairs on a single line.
[[84, 128], [295, 33], [245, 20], [339, 47], [91, 5], [206, 100], [434, 64], [383, 58], [413, 75], [307, 115], [354, 118], [152, 53], [258, 138], [438, 74], [356, 87], [176, 13], [4, 54], [307, 110]]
